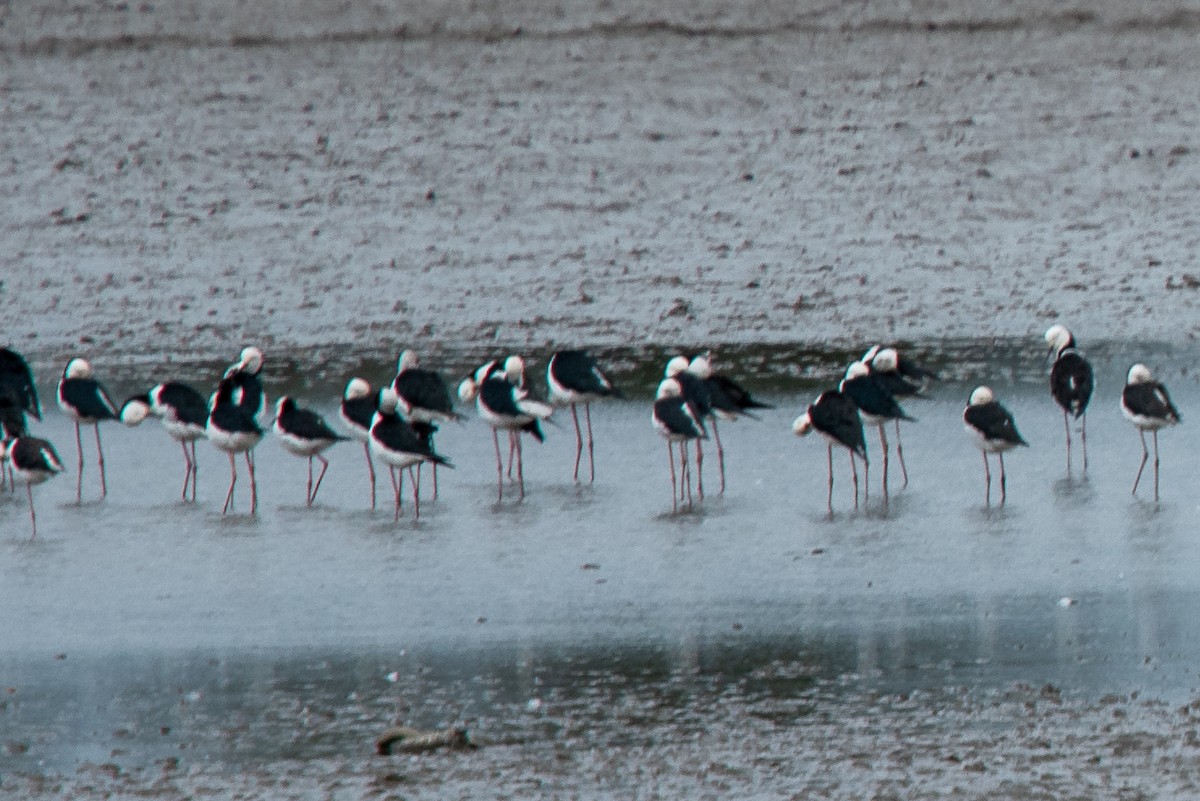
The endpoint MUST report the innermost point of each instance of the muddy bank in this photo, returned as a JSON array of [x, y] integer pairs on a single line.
[[768, 730], [761, 173]]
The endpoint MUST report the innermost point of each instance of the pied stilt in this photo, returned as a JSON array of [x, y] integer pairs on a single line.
[[1146, 404], [395, 443], [836, 418], [424, 398], [17, 387], [305, 433], [86, 402], [994, 431], [904, 379], [877, 405], [234, 430], [359, 404], [697, 391], [1071, 384], [504, 404], [33, 461], [574, 378], [184, 416], [728, 400], [677, 420], [248, 392]]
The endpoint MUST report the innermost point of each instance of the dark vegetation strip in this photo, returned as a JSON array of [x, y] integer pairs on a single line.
[[1178, 20]]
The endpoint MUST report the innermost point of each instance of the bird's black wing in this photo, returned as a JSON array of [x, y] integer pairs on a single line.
[[189, 405], [836, 415], [994, 422], [16, 382], [577, 371], [1150, 399], [730, 396], [1072, 382], [424, 389], [88, 398]]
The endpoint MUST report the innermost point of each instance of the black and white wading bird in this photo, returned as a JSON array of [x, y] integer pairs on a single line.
[[877, 406], [836, 418], [17, 388], [184, 415], [727, 400], [244, 375], [305, 433], [903, 378], [1071, 384], [424, 400], [678, 421], [395, 443], [503, 403], [994, 431], [359, 404], [33, 461], [574, 378], [87, 403], [1146, 404], [696, 391], [235, 430]]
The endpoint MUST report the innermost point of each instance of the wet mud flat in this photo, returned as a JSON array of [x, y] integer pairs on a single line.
[[627, 722], [434, 175]]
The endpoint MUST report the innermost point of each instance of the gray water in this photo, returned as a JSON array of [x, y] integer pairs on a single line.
[[141, 628]]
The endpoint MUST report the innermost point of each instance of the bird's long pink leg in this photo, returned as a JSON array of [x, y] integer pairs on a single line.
[[253, 483], [587, 412], [317, 488], [499, 466], [195, 470], [79, 476], [1003, 480], [1067, 428], [1145, 458], [578, 442], [32, 514], [308, 493], [1083, 439], [671, 461], [187, 475], [720, 455], [100, 456], [1156, 465], [520, 464], [232, 483], [829, 501], [370, 471], [987, 477], [883, 443]]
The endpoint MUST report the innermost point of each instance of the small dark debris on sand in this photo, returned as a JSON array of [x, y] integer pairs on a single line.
[[408, 740]]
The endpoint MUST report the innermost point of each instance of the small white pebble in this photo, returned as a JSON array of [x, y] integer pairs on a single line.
[[1064, 602]]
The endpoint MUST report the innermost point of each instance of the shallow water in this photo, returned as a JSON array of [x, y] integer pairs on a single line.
[[142, 628]]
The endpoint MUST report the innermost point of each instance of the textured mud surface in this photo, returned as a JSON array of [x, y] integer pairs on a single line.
[[466, 175]]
